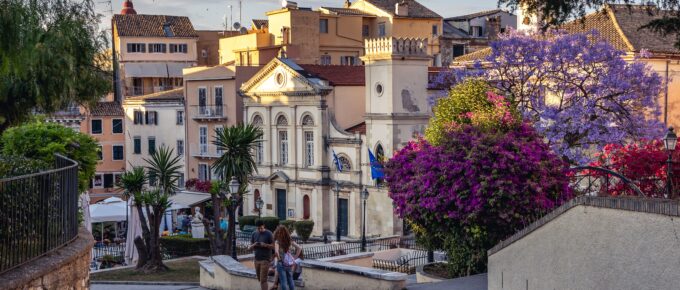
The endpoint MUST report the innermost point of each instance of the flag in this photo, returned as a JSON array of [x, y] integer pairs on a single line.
[[338, 165], [377, 170]]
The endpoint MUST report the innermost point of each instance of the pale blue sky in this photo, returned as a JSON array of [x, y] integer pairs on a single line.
[[209, 14]]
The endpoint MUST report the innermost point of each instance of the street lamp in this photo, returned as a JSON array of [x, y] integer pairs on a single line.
[[259, 204], [364, 197], [337, 208], [234, 185], [669, 141]]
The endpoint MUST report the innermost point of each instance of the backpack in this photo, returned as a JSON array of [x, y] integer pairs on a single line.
[[288, 260]]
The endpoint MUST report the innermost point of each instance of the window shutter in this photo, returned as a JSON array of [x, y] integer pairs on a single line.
[[155, 118], [108, 180], [146, 117]]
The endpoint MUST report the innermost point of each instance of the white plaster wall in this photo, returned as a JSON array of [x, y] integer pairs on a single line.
[[592, 248]]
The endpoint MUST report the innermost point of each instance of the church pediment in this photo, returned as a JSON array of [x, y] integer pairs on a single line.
[[279, 176], [283, 77]]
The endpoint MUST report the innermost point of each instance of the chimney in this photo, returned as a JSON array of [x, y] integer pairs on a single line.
[[128, 8], [401, 8], [493, 27], [347, 4]]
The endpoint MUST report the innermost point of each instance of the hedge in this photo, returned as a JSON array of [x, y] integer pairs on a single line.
[[246, 220], [289, 224], [185, 245], [304, 229], [270, 222]]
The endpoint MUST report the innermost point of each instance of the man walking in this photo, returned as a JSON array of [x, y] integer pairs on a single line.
[[262, 243]]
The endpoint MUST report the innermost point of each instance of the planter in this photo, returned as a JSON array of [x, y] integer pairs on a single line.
[[422, 277]]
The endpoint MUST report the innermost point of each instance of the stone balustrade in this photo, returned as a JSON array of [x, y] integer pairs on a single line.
[[396, 46]]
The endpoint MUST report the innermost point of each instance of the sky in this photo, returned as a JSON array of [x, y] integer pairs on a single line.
[[210, 14]]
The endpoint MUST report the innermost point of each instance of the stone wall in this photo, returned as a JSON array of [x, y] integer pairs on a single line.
[[595, 243], [65, 268]]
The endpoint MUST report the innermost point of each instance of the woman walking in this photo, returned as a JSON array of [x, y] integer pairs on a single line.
[[283, 259]]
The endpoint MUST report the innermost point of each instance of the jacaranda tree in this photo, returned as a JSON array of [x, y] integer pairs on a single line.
[[478, 185], [578, 91]]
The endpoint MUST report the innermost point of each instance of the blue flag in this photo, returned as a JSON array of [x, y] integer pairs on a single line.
[[377, 170], [338, 165]]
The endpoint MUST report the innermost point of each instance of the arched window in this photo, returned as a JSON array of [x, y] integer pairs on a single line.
[[307, 120], [282, 121], [305, 207], [256, 196], [257, 120], [346, 165]]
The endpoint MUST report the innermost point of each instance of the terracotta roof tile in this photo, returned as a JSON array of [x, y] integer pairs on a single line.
[[415, 9], [260, 23], [338, 75], [347, 11], [475, 55], [153, 25], [107, 109], [358, 128]]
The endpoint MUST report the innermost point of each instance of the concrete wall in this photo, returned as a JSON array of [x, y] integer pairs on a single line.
[[67, 268], [590, 247]]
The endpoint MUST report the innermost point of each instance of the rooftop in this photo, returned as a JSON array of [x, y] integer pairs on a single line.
[[347, 11], [358, 128], [153, 25], [106, 109], [260, 23], [415, 9], [169, 95], [337, 75], [475, 15]]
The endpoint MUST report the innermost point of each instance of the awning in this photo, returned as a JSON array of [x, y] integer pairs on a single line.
[[155, 69], [188, 199], [108, 212]]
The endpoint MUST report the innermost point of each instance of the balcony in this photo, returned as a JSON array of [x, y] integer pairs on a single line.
[[207, 113], [204, 151]]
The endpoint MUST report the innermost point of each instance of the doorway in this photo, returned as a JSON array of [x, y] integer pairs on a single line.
[[281, 204], [343, 208]]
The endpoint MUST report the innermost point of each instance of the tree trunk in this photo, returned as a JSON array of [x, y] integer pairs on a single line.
[[218, 242], [155, 262], [141, 250]]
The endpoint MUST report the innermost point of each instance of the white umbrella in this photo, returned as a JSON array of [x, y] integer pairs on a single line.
[[108, 212], [85, 205], [134, 230]]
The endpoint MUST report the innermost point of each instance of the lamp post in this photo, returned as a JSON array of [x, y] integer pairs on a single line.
[[337, 208], [669, 141], [259, 204], [234, 185], [364, 197]]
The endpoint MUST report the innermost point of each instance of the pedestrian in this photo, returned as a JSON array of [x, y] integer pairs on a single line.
[[262, 243], [298, 268], [285, 261]]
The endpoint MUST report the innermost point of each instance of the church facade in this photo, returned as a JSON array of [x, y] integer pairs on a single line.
[[311, 113]]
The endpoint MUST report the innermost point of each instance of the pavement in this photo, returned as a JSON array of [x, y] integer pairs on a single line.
[[476, 282], [94, 286]]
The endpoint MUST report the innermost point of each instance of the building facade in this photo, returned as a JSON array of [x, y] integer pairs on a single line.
[[152, 121], [104, 121], [310, 112]]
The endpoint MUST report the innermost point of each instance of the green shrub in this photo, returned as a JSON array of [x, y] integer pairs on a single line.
[[289, 224], [304, 229], [246, 220], [17, 165], [185, 245], [270, 222]]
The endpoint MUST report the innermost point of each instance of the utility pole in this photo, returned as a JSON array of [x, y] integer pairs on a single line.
[[240, 20]]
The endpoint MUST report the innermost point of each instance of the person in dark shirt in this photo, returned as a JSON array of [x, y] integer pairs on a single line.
[[262, 243]]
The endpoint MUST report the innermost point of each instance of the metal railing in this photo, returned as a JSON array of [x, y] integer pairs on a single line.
[[204, 150], [39, 213], [112, 252], [404, 264], [208, 112]]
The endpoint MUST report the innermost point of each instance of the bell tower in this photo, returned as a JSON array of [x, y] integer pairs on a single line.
[[396, 91]]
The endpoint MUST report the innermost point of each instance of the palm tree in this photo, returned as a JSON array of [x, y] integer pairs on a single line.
[[164, 169], [132, 182], [237, 144]]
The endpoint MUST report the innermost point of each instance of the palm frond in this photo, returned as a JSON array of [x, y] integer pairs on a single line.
[[165, 167], [132, 182], [237, 144]]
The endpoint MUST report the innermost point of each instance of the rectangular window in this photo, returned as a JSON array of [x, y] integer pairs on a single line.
[[348, 60], [202, 101], [98, 181], [151, 118], [178, 48], [137, 117], [96, 126], [365, 31], [259, 151], [180, 180], [152, 145], [476, 31], [381, 29], [152, 178], [100, 153], [137, 145], [136, 47], [218, 131], [218, 102], [203, 140], [180, 117], [458, 50], [117, 125], [203, 172], [108, 180], [116, 178], [158, 47], [180, 147], [283, 147], [309, 148], [323, 25], [325, 60], [118, 152], [435, 30]]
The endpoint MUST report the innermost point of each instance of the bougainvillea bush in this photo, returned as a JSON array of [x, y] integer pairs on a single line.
[[479, 185], [643, 162]]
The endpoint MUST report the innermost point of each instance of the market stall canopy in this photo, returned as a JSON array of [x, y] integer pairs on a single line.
[[108, 212], [188, 199]]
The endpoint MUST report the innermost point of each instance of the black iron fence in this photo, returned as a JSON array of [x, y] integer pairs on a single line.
[[113, 253], [38, 213], [404, 264]]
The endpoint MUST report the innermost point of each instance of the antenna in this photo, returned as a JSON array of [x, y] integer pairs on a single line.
[[239, 11]]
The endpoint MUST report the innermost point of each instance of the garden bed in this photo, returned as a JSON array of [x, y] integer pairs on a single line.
[[186, 270]]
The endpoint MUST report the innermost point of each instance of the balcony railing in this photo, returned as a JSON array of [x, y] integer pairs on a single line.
[[204, 151], [208, 112]]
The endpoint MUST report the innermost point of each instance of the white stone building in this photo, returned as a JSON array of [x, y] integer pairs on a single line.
[[307, 112], [152, 121]]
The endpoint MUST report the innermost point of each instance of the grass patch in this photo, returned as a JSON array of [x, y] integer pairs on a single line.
[[180, 271]]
